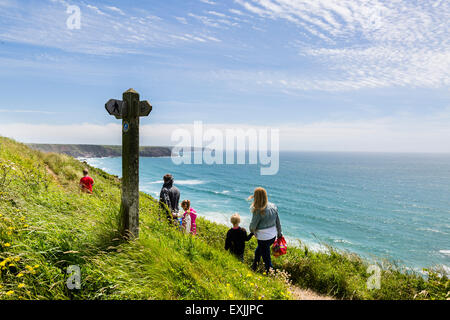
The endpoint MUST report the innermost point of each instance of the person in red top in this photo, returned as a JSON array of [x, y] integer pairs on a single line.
[[86, 183]]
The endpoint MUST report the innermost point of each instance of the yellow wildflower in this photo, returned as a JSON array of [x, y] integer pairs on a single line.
[[230, 295], [21, 285], [26, 226], [16, 259], [10, 292], [36, 266], [6, 245], [20, 275], [29, 268]]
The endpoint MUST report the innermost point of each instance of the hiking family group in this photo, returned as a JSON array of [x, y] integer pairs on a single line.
[[265, 224]]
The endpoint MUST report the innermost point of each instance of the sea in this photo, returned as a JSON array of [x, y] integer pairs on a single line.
[[382, 206]]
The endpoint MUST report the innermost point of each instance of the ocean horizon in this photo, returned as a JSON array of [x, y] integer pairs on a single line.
[[379, 205]]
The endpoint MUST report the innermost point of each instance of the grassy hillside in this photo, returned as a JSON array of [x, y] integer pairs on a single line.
[[344, 275], [46, 225]]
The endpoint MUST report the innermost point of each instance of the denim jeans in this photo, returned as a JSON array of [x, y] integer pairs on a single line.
[[263, 250]]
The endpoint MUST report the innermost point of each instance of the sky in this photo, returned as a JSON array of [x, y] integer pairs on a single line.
[[331, 75]]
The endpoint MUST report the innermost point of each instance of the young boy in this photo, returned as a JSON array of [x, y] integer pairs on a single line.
[[236, 238], [86, 183]]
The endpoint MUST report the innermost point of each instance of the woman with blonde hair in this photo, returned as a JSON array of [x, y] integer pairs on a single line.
[[265, 225]]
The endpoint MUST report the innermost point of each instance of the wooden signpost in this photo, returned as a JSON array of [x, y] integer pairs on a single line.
[[129, 109]]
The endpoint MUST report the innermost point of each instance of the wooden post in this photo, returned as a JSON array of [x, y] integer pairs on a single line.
[[129, 110], [129, 210]]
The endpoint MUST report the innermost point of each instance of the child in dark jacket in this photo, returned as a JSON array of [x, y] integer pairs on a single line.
[[236, 238]]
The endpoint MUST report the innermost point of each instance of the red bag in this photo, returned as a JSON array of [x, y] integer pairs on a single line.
[[279, 247]]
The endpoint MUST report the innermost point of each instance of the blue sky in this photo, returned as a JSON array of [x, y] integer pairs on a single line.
[[343, 75]]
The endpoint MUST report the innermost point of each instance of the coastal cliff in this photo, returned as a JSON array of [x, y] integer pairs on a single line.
[[47, 225], [98, 151]]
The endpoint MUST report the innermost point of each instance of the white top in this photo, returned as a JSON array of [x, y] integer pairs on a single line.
[[188, 222], [266, 234]]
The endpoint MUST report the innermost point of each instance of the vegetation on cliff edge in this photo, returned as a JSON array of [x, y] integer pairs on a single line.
[[46, 225]]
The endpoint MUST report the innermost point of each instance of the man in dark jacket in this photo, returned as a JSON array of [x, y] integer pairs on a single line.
[[169, 198]]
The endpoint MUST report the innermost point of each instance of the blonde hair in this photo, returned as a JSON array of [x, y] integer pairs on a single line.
[[235, 219], [260, 200], [186, 203]]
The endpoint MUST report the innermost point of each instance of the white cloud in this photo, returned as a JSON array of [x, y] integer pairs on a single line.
[[181, 19], [212, 38], [371, 43], [235, 11], [208, 2], [218, 14], [205, 20], [101, 33], [387, 66], [96, 9], [189, 36], [115, 9], [355, 44], [403, 21]]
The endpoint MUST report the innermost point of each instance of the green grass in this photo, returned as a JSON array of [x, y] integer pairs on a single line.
[[46, 225], [344, 275]]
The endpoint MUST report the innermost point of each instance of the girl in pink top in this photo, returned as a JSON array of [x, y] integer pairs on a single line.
[[189, 214]]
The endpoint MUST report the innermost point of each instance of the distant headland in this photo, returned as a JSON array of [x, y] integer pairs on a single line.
[[98, 151]]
